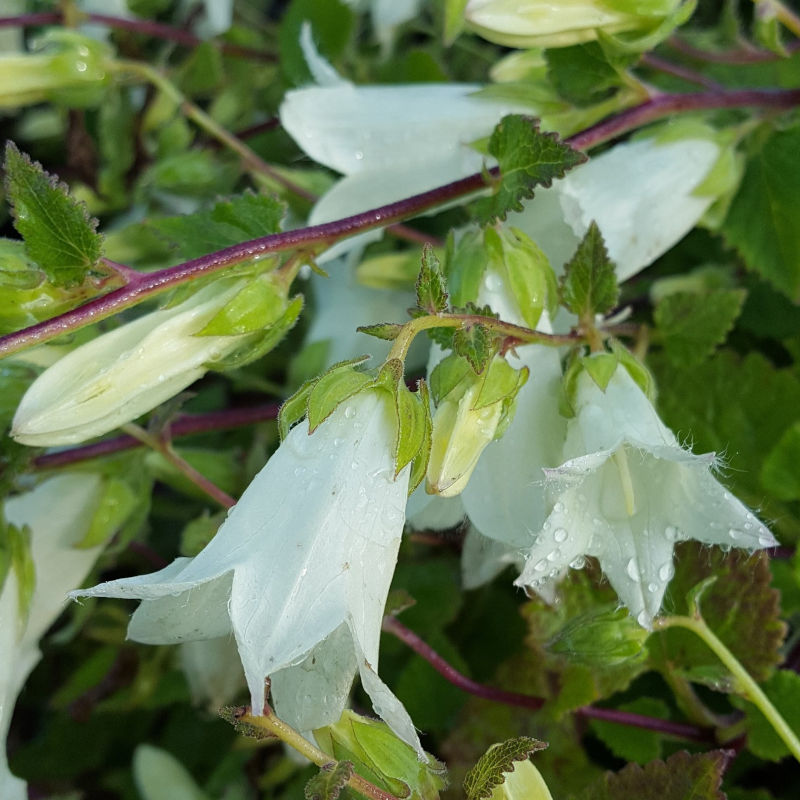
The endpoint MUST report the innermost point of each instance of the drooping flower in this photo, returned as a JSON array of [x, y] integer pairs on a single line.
[[126, 372], [298, 572], [58, 514], [627, 493]]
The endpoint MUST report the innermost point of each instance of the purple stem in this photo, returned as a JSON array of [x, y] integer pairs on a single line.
[[680, 729], [145, 27], [185, 425], [679, 71], [146, 285]]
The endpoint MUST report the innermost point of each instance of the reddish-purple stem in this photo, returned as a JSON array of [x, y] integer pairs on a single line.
[[680, 729], [679, 71], [147, 285], [145, 27], [185, 425]]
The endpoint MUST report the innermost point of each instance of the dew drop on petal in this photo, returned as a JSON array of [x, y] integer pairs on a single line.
[[560, 535], [350, 412], [766, 540], [556, 554], [652, 588], [299, 472], [558, 508], [578, 563], [671, 533], [735, 533], [633, 570], [540, 565], [666, 571], [643, 619]]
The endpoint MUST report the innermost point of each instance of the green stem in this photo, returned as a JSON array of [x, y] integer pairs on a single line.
[[278, 728], [748, 687], [254, 163]]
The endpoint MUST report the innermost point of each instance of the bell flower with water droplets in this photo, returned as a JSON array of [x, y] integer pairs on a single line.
[[299, 571], [58, 514], [124, 373], [627, 493]]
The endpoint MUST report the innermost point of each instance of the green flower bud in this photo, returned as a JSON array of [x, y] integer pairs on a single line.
[[68, 68], [524, 783]]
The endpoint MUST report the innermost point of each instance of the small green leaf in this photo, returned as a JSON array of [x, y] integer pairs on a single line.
[[589, 285], [783, 690], [762, 221], [228, 222], [453, 19], [59, 234], [419, 465], [601, 368], [383, 330], [693, 324], [465, 263], [582, 74], [474, 342], [481, 780], [333, 388], [19, 547], [295, 407], [328, 783], [682, 776], [259, 304], [431, 287], [446, 375], [779, 473], [411, 426], [500, 382], [527, 158]]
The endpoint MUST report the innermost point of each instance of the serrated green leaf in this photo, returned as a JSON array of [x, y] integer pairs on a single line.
[[488, 772], [59, 234], [332, 389], [328, 783], [228, 222], [589, 285], [388, 331], [762, 221], [474, 343], [633, 744], [527, 158], [582, 74], [682, 776], [783, 690], [295, 407], [431, 287], [694, 324], [779, 473], [740, 607], [117, 501]]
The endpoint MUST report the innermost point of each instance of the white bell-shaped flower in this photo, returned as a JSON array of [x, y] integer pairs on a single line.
[[626, 494], [299, 571]]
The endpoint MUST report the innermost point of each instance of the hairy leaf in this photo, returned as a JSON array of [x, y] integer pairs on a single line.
[[59, 234], [582, 73], [527, 158], [475, 344], [498, 759], [694, 324], [431, 287], [328, 783], [633, 744], [589, 285]]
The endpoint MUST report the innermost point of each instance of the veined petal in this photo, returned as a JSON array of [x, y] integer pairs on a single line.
[[213, 671]]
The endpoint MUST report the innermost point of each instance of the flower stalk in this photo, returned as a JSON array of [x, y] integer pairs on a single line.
[[749, 689]]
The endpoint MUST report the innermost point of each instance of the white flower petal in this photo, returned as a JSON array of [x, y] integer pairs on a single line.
[[430, 512], [483, 559], [213, 671]]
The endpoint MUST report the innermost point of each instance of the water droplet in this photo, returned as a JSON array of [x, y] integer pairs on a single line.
[[633, 570], [765, 539], [554, 555], [81, 66], [338, 442], [735, 534], [299, 472], [652, 588], [560, 535], [666, 571], [354, 465], [359, 155], [671, 533], [578, 563], [748, 526], [545, 526], [349, 412], [558, 508], [540, 565], [492, 281], [643, 619]]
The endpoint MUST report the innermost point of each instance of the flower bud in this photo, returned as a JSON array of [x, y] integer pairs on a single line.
[[561, 23], [120, 375]]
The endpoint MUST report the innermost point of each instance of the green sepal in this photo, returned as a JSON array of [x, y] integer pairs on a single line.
[[381, 757], [294, 408], [500, 382], [116, 503], [695, 594], [465, 264], [411, 428], [481, 780], [431, 288], [258, 304], [589, 285], [328, 783], [59, 234], [601, 368], [419, 465], [448, 374], [604, 636], [453, 20], [258, 345], [641, 375], [339, 383], [388, 331], [389, 270], [19, 558], [569, 381]]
